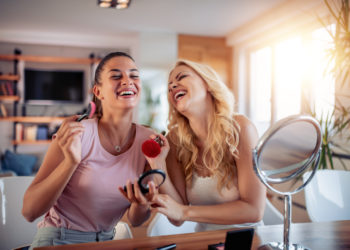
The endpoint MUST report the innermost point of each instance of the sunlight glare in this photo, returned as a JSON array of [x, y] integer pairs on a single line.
[[288, 73], [323, 84]]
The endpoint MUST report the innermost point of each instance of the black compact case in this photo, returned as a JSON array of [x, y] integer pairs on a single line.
[[237, 239]]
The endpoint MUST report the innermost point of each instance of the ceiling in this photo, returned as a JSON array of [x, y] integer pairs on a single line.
[[197, 17]]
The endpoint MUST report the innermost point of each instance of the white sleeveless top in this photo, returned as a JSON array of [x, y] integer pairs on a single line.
[[204, 191]]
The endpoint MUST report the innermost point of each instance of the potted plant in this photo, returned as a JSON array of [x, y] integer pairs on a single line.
[[335, 125]]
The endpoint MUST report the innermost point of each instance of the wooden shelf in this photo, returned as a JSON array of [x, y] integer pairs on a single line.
[[8, 57], [31, 142], [9, 98], [32, 119], [49, 59], [21, 121], [9, 77]]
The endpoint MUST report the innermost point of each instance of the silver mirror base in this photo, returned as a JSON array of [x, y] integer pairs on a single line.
[[279, 246]]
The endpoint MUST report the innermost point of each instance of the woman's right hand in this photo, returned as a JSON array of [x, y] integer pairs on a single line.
[[69, 139], [163, 203]]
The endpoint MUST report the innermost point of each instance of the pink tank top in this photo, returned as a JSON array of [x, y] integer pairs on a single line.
[[91, 201]]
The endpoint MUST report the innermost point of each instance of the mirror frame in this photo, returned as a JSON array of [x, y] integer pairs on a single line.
[[268, 134]]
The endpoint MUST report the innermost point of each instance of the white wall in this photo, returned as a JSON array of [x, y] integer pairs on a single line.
[[158, 53]]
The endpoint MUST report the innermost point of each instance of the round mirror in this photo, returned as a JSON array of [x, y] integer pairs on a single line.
[[283, 154]]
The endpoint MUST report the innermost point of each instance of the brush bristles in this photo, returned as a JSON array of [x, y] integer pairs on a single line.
[[92, 109], [151, 148]]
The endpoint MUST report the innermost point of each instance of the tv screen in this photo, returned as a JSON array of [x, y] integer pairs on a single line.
[[51, 86]]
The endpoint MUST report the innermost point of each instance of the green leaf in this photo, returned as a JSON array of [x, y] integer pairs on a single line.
[[330, 157]]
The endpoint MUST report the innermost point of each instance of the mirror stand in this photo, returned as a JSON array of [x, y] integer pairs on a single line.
[[285, 245], [284, 153]]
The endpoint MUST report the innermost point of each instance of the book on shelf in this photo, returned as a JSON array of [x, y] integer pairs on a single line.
[[9, 87], [6, 88], [19, 132], [30, 132], [3, 110], [3, 89], [42, 132]]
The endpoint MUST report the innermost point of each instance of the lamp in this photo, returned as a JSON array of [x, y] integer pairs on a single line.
[[118, 4]]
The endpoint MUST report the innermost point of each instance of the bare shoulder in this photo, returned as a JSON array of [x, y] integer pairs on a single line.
[[172, 157], [172, 150], [244, 122], [248, 131], [147, 130]]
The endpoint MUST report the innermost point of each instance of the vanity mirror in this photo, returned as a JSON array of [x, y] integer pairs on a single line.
[[283, 154]]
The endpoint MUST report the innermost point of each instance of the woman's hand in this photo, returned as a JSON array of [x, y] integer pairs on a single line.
[[134, 195], [69, 139], [139, 210], [158, 162], [164, 204]]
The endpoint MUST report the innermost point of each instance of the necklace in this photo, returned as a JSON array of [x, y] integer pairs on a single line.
[[118, 148]]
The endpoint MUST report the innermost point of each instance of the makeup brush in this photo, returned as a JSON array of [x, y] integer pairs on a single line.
[[151, 147], [89, 112]]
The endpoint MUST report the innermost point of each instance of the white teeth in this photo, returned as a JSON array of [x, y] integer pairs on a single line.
[[126, 93], [179, 94]]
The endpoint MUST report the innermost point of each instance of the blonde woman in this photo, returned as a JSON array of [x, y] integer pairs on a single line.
[[210, 154]]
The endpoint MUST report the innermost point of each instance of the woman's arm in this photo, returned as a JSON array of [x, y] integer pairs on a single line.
[[60, 162], [174, 184], [176, 174], [250, 206]]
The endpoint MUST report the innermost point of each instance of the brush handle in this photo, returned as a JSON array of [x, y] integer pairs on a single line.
[[82, 117], [159, 141], [89, 112]]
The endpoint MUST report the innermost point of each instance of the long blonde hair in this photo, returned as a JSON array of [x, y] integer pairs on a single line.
[[222, 140]]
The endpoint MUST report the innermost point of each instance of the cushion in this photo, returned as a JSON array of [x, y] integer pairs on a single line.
[[21, 164]]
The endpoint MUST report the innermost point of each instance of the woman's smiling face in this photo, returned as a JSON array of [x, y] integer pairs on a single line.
[[186, 89], [120, 82]]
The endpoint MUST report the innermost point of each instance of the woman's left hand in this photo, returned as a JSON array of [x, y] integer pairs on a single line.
[[164, 204]]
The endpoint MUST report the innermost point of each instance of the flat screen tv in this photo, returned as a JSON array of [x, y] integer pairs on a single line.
[[53, 86]]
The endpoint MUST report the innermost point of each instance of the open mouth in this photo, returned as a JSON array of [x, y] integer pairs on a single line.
[[127, 93], [178, 95]]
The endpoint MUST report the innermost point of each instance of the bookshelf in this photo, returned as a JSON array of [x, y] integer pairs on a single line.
[[32, 119], [49, 59], [9, 77], [9, 98], [8, 89], [30, 142], [8, 94]]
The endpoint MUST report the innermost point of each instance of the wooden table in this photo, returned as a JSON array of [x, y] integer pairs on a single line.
[[316, 236]]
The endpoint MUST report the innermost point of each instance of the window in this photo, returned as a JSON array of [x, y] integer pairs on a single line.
[[287, 75], [260, 87], [323, 84]]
